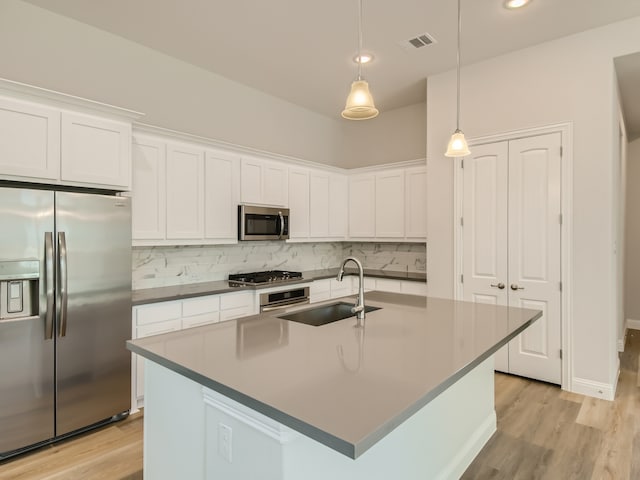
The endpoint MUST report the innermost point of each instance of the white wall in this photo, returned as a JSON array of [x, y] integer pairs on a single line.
[[393, 136], [570, 79], [51, 51], [58, 53], [632, 234]]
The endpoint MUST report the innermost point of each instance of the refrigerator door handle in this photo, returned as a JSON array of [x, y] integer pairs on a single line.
[[62, 258], [49, 284]]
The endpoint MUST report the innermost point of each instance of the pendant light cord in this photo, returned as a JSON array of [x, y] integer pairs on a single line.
[[359, 39], [458, 63]]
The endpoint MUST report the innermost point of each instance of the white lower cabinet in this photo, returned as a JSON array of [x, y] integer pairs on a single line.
[[236, 305], [388, 285], [320, 290], [329, 288], [171, 316], [200, 311], [396, 286], [414, 288]]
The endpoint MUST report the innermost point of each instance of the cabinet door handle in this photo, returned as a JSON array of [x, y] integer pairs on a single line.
[[516, 287], [498, 285]]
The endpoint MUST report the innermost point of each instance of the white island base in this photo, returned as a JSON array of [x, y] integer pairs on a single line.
[[186, 436]]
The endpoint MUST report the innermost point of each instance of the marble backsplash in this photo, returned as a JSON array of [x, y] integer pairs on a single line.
[[163, 266], [404, 257]]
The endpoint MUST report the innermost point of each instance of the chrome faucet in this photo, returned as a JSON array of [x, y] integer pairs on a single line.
[[358, 308]]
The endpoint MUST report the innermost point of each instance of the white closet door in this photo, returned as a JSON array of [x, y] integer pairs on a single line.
[[485, 229], [534, 253], [511, 244]]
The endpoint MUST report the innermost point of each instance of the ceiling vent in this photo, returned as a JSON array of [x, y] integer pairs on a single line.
[[417, 42]]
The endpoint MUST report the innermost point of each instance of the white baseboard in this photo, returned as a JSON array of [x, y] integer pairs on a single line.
[[633, 324], [622, 341], [590, 388], [470, 449]]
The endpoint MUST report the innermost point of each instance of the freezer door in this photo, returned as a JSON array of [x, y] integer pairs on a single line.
[[93, 237], [26, 356]]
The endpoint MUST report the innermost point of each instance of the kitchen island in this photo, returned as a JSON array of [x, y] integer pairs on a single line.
[[408, 396]]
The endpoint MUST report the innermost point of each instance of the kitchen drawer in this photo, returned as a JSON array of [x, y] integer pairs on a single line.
[[158, 312], [201, 305], [320, 286], [230, 314], [343, 288], [414, 288], [386, 285], [158, 328], [235, 300], [203, 319], [369, 284], [319, 296]]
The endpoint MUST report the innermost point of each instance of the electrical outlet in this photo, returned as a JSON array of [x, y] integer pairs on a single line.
[[225, 441]]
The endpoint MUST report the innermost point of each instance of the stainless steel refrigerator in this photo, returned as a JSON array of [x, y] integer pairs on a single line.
[[65, 314]]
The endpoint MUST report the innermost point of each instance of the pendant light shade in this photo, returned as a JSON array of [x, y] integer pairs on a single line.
[[457, 146], [359, 105], [359, 102]]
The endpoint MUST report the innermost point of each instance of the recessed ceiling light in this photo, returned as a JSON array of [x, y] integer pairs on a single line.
[[366, 58], [513, 4]]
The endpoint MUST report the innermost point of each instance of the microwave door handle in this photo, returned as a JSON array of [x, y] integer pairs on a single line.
[[281, 224]]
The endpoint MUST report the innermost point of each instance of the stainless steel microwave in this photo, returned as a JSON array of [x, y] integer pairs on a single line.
[[262, 223]]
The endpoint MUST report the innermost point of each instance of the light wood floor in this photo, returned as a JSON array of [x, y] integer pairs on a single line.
[[543, 433], [113, 452]]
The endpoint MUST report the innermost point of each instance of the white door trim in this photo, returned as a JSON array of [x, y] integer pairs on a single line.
[[566, 133]]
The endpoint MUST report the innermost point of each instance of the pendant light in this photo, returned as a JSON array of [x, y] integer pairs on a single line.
[[359, 105], [457, 146]]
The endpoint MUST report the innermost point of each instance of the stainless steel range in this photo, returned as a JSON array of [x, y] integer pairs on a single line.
[[281, 295], [259, 278]]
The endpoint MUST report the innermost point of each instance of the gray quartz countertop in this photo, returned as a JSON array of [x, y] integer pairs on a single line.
[[345, 387], [178, 292]]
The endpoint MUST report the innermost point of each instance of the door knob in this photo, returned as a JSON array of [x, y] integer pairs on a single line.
[[498, 285], [516, 287]]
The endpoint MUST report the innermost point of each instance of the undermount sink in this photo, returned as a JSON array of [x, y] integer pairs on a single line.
[[325, 314]]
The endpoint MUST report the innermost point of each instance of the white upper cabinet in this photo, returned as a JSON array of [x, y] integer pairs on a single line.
[[222, 185], [263, 182], [338, 206], [389, 206], [29, 140], [96, 151], [53, 138], [319, 205], [185, 192], [298, 203], [416, 203], [362, 203], [148, 198]]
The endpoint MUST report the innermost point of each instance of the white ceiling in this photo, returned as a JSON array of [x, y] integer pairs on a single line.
[[302, 50]]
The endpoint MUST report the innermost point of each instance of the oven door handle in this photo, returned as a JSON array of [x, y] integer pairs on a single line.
[[283, 306]]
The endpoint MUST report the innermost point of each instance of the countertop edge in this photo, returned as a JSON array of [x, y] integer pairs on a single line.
[[303, 428]]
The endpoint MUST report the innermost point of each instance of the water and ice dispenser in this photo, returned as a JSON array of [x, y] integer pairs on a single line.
[[19, 288]]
